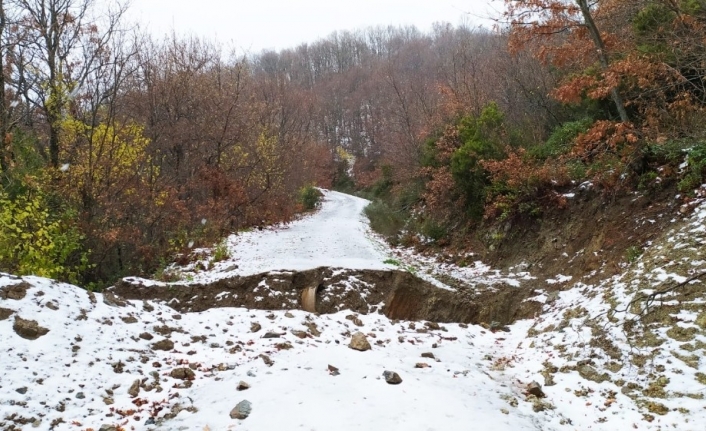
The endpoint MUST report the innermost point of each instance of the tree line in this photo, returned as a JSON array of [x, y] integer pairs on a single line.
[[121, 150]]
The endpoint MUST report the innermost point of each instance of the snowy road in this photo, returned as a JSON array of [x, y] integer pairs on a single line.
[[335, 236]]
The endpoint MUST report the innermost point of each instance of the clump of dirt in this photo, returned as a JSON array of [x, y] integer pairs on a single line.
[[15, 291], [405, 296]]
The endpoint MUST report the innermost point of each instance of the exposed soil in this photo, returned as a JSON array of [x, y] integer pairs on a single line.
[[398, 294], [588, 238]]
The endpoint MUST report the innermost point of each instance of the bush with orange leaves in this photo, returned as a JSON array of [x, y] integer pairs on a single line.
[[521, 185]]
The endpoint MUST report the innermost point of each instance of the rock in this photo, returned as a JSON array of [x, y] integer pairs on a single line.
[[52, 306], [535, 389], [255, 327], [165, 344], [432, 325], [80, 395], [242, 386], [128, 319], [108, 400], [590, 373], [497, 326], [28, 329], [242, 410], [107, 428], [333, 370], [288, 315], [313, 330], [299, 334], [250, 373], [5, 313], [359, 342], [22, 390], [271, 335], [266, 359], [147, 307], [463, 325], [16, 291], [146, 336], [182, 373], [392, 377], [428, 355], [356, 321], [421, 365], [111, 300], [134, 389]]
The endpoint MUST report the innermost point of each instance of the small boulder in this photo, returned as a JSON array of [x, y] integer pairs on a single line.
[[242, 386], [146, 336], [242, 410], [428, 355], [333, 370], [392, 377], [134, 389], [28, 329], [359, 342], [5, 313], [421, 365], [271, 335], [16, 291], [255, 327], [165, 344], [111, 300], [535, 389], [182, 373], [266, 359], [128, 319]]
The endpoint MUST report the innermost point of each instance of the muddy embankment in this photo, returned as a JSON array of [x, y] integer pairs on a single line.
[[397, 294]]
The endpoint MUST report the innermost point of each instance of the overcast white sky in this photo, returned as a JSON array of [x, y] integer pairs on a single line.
[[254, 25]]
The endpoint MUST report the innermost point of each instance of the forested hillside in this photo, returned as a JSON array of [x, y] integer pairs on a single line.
[[121, 149]]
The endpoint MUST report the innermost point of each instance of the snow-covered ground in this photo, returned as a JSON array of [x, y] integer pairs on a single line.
[[142, 366]]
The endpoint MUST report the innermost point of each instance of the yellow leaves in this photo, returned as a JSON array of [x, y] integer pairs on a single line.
[[103, 155]]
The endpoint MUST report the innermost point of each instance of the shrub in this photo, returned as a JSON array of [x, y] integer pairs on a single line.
[[695, 171], [309, 197], [221, 251], [33, 240], [561, 139], [384, 219]]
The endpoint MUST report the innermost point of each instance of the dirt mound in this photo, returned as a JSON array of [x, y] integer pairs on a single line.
[[397, 294]]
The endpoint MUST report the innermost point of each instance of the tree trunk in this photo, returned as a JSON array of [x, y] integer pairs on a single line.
[[602, 56]]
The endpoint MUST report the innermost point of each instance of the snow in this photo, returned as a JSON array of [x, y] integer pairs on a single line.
[[478, 379]]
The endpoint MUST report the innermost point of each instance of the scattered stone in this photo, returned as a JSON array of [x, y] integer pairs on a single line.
[[432, 325], [392, 377], [22, 390], [176, 316], [5, 313], [183, 373], [128, 319], [146, 336], [463, 325], [165, 344], [359, 342], [242, 410], [52, 306], [428, 355], [108, 400], [333, 370], [288, 315], [147, 307], [272, 335], [111, 300], [266, 359], [80, 395], [421, 365], [255, 327], [313, 330], [356, 321], [250, 373], [107, 428], [590, 373], [16, 291], [299, 334], [118, 367], [28, 329], [535, 389], [134, 389], [284, 346], [497, 326], [242, 386]]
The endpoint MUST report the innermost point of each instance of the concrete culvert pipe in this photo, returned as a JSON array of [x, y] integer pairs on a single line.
[[309, 298]]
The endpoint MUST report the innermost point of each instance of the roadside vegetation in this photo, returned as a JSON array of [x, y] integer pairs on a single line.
[[120, 151]]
